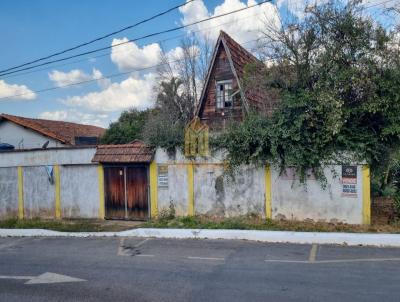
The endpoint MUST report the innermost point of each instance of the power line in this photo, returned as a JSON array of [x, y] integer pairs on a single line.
[[104, 77], [208, 29], [379, 3], [99, 38], [140, 38]]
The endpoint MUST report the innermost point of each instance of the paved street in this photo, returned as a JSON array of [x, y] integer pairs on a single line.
[[137, 269]]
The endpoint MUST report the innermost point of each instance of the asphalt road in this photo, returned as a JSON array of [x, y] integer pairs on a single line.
[[137, 269]]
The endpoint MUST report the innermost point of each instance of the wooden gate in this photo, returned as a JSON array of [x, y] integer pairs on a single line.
[[126, 192]]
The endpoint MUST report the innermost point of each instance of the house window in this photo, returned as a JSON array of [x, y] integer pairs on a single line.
[[224, 94]]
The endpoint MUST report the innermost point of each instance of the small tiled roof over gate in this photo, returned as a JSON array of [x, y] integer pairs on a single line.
[[135, 152]]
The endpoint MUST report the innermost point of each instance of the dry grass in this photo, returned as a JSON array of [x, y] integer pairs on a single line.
[[196, 222], [258, 223]]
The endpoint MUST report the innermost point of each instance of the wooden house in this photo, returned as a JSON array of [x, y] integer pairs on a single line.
[[224, 98]]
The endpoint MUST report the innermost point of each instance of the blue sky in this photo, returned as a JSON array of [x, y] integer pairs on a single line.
[[31, 29]]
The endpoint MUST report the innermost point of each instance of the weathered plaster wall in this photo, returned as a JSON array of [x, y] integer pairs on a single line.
[[8, 192], [39, 193], [217, 194], [79, 183], [292, 200], [220, 195], [23, 138], [66, 156], [214, 192], [177, 191], [79, 191]]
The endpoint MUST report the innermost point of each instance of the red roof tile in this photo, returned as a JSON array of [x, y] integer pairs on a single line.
[[135, 152], [64, 132]]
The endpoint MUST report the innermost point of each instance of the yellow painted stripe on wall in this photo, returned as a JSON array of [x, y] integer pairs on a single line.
[[58, 191], [20, 193], [100, 174], [153, 190], [190, 174], [268, 192], [366, 194]]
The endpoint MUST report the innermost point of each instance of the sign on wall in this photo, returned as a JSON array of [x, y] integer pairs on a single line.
[[162, 176], [349, 181]]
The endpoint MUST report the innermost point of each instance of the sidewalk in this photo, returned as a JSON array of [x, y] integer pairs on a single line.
[[351, 239]]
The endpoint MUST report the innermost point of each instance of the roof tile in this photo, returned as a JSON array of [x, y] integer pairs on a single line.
[[135, 152], [64, 132]]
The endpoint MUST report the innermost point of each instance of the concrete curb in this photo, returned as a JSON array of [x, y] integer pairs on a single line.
[[352, 239]]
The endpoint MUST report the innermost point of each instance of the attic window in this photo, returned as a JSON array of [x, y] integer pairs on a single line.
[[224, 94]]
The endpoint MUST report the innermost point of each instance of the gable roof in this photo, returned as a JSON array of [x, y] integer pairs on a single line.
[[65, 132], [135, 152], [238, 58]]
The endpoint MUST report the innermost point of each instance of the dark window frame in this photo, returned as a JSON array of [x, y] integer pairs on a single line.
[[223, 95]]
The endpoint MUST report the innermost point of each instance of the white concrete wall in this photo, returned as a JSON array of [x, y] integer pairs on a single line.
[[23, 138], [78, 183], [67, 156], [79, 191], [292, 200], [220, 195], [215, 193], [177, 191], [39, 193], [8, 192]]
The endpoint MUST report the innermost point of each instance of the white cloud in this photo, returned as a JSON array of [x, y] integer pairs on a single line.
[[15, 92], [75, 76], [243, 26], [135, 92], [75, 116], [129, 56]]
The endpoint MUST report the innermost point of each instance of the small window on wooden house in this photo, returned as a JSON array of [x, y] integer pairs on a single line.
[[224, 94]]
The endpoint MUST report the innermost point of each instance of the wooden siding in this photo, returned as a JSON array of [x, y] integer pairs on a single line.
[[114, 192], [218, 118], [126, 192], [137, 192]]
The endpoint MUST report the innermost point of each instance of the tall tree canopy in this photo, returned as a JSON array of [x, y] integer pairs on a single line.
[[128, 127]]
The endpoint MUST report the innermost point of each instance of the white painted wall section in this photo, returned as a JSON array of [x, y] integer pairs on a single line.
[[79, 191], [67, 156], [292, 200], [8, 192], [24, 138], [39, 193]]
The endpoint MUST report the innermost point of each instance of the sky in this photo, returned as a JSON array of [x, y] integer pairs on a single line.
[[33, 29]]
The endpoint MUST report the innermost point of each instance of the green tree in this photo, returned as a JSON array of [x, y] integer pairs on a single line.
[[165, 125], [128, 127], [337, 74]]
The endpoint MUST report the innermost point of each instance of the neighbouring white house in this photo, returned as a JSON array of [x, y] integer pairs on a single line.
[[28, 133]]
